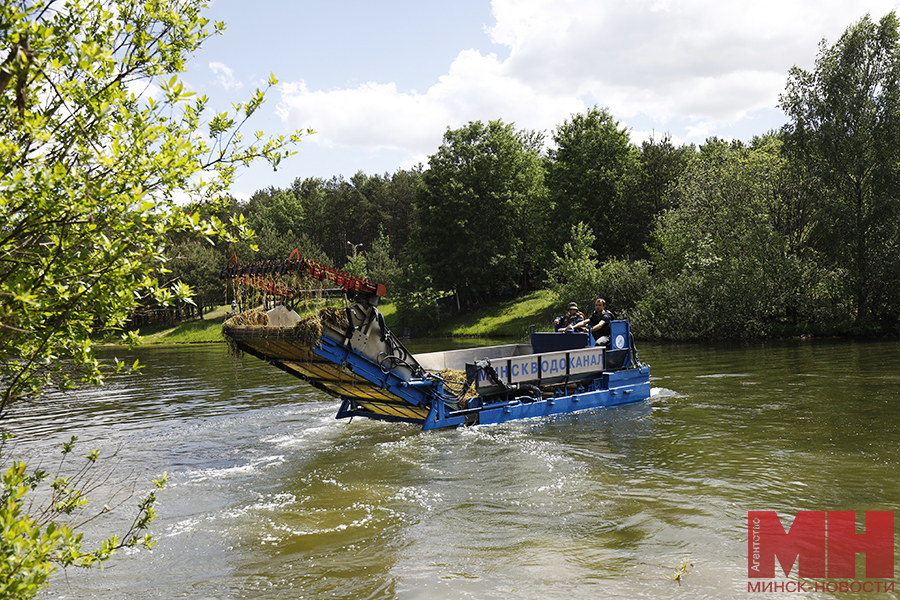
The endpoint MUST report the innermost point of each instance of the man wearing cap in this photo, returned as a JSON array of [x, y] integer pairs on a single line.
[[568, 322]]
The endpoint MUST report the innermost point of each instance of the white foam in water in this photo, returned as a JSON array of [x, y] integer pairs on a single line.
[[418, 496], [291, 440], [184, 526], [656, 393], [227, 472], [273, 502]]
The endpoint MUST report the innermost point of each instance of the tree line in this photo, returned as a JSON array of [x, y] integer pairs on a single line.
[[792, 232]]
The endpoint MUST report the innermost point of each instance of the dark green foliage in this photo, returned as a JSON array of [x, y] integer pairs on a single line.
[[331, 221], [198, 264], [589, 174], [661, 164], [279, 211], [727, 264], [844, 128], [623, 284], [576, 276], [721, 259], [381, 265], [573, 274], [482, 210], [417, 299]]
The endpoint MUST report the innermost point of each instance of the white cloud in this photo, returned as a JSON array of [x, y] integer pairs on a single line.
[[710, 62], [225, 76], [378, 116], [698, 65]]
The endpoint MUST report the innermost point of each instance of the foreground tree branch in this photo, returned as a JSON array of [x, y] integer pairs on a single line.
[[98, 138]]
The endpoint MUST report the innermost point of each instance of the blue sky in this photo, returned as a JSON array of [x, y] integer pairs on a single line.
[[380, 82]]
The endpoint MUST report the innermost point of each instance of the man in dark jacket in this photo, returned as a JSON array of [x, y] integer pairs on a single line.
[[598, 323]]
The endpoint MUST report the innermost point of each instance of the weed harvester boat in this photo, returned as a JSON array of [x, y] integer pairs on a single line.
[[352, 355]]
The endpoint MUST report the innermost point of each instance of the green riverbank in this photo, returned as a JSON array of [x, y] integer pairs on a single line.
[[508, 318]]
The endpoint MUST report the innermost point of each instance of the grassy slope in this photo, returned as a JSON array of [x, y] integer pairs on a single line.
[[510, 318], [207, 329]]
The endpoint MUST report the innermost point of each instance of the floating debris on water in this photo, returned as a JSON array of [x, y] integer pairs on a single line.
[[680, 572]]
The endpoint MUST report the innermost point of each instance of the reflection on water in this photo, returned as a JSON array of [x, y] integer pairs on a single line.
[[271, 497]]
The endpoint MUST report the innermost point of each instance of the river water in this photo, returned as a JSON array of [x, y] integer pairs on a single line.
[[270, 497]]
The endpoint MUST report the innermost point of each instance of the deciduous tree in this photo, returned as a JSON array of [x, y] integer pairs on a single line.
[[721, 265], [482, 209], [100, 147], [590, 170], [844, 126], [98, 140]]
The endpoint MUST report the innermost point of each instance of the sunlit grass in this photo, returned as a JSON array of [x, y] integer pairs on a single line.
[[510, 318], [196, 331]]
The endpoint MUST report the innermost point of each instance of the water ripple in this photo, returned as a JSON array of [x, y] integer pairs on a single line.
[[271, 497]]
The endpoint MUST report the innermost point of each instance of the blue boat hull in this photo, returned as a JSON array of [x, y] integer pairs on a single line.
[[632, 385], [359, 362]]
